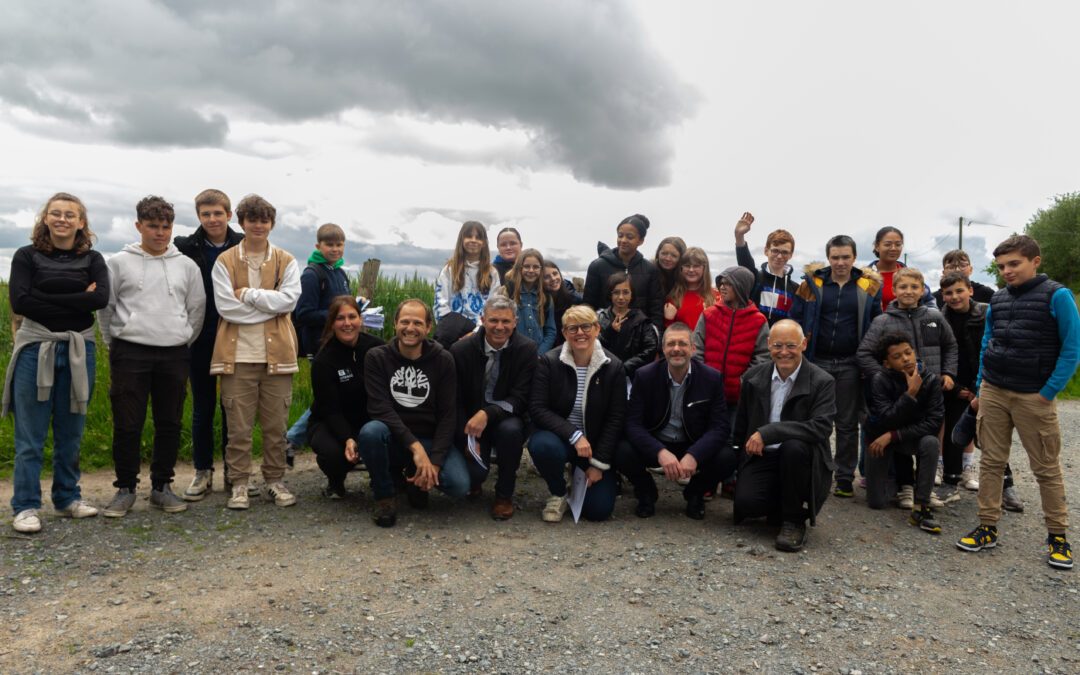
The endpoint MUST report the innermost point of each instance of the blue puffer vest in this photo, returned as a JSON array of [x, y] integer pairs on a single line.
[[1024, 343]]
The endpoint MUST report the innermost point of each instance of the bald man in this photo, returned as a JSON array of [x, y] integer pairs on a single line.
[[783, 423]]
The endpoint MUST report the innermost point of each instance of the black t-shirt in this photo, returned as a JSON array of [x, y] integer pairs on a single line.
[[50, 288]]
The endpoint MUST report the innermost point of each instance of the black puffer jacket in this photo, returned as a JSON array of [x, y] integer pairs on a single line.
[[644, 279], [635, 343], [891, 409]]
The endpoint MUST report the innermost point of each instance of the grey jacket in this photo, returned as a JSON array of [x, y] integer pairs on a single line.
[[934, 344]]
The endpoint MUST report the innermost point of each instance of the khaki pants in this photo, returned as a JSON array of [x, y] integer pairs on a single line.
[[1036, 420], [250, 390]]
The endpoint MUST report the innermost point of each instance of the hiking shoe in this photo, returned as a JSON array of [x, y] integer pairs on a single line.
[[239, 498], [121, 503], [969, 478], [844, 489], [27, 521], [792, 537], [418, 499], [280, 493], [385, 514], [983, 536], [165, 500], [905, 498], [1060, 553], [924, 519], [77, 509], [1010, 500], [947, 494], [201, 485], [554, 509], [334, 491], [939, 474], [503, 509]]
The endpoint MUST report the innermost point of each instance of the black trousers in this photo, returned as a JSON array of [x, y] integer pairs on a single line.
[[777, 484], [635, 466], [141, 373], [507, 438], [330, 454], [204, 405]]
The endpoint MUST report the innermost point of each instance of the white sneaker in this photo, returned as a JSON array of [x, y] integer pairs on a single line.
[[939, 475], [905, 498], [77, 509], [969, 478], [280, 493], [201, 485], [239, 498], [27, 521], [554, 510], [935, 501]]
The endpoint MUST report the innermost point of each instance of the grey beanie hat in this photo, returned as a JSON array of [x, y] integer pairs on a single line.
[[741, 281]]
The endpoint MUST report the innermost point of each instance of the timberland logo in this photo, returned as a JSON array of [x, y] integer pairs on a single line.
[[409, 386]]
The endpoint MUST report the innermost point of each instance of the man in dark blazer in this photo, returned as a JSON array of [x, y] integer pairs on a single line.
[[494, 376], [783, 423], [676, 421]]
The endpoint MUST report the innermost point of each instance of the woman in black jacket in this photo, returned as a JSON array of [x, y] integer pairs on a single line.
[[337, 381], [624, 331], [577, 405], [648, 291]]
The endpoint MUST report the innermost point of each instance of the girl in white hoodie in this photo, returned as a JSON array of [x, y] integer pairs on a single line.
[[468, 278]]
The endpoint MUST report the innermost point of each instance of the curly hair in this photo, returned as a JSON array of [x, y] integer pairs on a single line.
[[42, 240], [254, 207], [153, 207]]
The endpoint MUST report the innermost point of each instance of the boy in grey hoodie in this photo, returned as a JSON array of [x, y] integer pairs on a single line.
[[155, 311]]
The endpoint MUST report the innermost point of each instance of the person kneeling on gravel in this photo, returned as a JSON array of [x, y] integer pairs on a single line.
[[783, 423], [906, 410], [676, 421]]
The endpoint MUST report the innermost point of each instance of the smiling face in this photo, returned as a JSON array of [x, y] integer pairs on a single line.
[[64, 220], [692, 273], [902, 358], [499, 325], [786, 346], [552, 280], [957, 297], [908, 291], [1016, 269], [580, 336], [889, 247], [411, 325], [256, 231], [621, 297], [331, 250], [629, 239], [214, 219], [678, 349], [509, 245], [668, 257], [473, 242], [155, 235], [347, 325], [531, 268]]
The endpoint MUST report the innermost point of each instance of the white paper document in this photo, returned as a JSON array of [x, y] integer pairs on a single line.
[[474, 450], [577, 492]]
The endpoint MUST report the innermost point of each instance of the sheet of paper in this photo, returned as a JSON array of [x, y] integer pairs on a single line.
[[474, 450], [577, 492]]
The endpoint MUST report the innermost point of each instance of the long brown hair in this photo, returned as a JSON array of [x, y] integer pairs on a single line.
[[42, 241], [668, 279], [696, 256], [457, 259], [336, 305], [514, 281]]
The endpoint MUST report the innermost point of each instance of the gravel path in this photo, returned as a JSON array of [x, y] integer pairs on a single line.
[[318, 588]]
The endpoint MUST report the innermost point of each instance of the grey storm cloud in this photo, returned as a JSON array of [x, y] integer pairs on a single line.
[[579, 80]]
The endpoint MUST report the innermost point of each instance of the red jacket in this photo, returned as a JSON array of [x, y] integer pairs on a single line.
[[730, 339]]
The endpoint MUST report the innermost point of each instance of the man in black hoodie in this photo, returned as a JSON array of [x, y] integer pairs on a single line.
[[212, 238], [774, 289], [495, 368], [411, 391]]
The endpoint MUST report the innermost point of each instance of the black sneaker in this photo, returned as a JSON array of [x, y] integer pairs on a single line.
[[695, 507], [646, 508], [1060, 553], [792, 537], [923, 518], [983, 536], [418, 499], [334, 491], [844, 489], [385, 512]]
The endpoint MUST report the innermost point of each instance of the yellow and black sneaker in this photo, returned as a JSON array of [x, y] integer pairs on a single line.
[[983, 536], [923, 518], [1060, 553]]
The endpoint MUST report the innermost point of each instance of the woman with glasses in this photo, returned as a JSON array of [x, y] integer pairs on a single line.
[[57, 283], [577, 406], [774, 288], [692, 292], [624, 331]]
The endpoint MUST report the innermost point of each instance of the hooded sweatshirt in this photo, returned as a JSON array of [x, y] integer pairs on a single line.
[[773, 294], [469, 299], [644, 280], [157, 301]]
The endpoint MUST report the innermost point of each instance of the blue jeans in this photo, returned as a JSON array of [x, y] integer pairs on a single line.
[[550, 455], [298, 432], [32, 419], [386, 459]]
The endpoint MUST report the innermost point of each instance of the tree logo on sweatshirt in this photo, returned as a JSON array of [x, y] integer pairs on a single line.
[[409, 386]]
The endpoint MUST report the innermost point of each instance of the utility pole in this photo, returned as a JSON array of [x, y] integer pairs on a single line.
[[960, 242]]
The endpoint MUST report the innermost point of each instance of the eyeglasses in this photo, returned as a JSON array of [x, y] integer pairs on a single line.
[[578, 328], [780, 252], [781, 346], [693, 266], [64, 215], [958, 267], [723, 282]]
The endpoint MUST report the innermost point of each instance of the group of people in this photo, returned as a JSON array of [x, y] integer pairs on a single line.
[[728, 385]]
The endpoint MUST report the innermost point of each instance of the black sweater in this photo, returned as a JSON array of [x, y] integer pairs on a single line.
[[337, 381], [891, 409], [416, 399], [51, 288], [516, 367], [198, 248], [644, 279]]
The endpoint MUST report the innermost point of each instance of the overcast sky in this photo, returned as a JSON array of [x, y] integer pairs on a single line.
[[400, 119]]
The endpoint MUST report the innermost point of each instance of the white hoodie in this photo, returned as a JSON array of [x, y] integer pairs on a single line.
[[156, 301]]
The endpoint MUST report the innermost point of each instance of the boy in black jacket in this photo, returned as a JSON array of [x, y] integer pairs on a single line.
[[906, 409]]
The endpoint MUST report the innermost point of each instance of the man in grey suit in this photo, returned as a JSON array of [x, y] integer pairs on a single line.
[[783, 423]]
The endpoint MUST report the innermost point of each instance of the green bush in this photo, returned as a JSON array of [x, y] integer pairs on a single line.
[[96, 450]]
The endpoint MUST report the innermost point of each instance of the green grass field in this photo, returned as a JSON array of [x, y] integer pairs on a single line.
[[97, 439]]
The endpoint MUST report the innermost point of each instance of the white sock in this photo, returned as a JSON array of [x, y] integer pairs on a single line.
[[969, 459]]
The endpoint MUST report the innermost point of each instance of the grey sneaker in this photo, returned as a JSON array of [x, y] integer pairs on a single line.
[[948, 494], [1011, 501], [238, 498], [165, 500], [201, 485], [905, 498], [280, 493], [120, 504], [77, 509]]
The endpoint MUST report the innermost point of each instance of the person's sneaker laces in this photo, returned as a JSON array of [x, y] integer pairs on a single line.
[[201, 485], [165, 500], [947, 494], [1060, 553], [77, 509], [280, 494], [1010, 500], [239, 498], [983, 536], [905, 498], [554, 509], [923, 518], [844, 489], [27, 521], [121, 503], [969, 478]]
